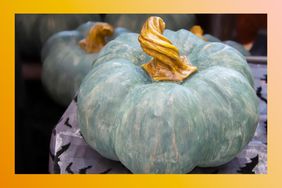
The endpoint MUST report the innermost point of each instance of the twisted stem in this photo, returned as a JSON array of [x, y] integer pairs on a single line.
[[167, 64], [96, 38]]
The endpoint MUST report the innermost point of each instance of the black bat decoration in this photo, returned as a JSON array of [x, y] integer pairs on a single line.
[[67, 123], [106, 171], [83, 170], [69, 170], [248, 169], [57, 169], [259, 89]]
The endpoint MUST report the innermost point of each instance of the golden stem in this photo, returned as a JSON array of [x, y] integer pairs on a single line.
[[167, 64], [198, 31], [95, 40]]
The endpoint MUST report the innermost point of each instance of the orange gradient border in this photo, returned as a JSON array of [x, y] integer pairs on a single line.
[[8, 9]]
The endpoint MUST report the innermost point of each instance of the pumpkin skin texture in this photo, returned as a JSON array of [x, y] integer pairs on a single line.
[[133, 22], [211, 38], [65, 63], [33, 30], [233, 44], [168, 127]]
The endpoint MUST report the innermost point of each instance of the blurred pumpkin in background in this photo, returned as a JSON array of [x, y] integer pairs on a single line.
[[32, 30], [198, 31], [134, 22], [67, 57]]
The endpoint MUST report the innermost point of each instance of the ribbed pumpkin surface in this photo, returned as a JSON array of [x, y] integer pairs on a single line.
[[168, 127]]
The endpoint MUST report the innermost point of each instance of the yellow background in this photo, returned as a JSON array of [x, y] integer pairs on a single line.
[[8, 9]]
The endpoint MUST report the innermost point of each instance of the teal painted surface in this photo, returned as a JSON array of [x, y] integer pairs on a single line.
[[65, 64], [168, 127], [238, 47], [233, 44], [211, 38]]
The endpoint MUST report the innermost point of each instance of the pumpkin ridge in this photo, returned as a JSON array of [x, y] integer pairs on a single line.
[[247, 87], [119, 46], [240, 65], [112, 73], [150, 87]]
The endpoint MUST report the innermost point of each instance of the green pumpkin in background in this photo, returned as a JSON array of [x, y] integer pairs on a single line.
[[167, 101], [133, 22], [197, 30], [33, 30], [67, 57]]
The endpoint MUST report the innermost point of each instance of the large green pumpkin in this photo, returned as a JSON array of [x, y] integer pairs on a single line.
[[134, 22], [198, 30], [66, 62], [33, 30], [156, 120]]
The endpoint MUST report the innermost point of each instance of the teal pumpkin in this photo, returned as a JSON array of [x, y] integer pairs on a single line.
[[168, 126], [33, 30], [133, 22], [238, 47], [199, 32], [65, 62], [211, 38], [231, 43]]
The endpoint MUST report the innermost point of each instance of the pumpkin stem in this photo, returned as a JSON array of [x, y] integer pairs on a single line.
[[95, 40], [198, 31], [167, 64]]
